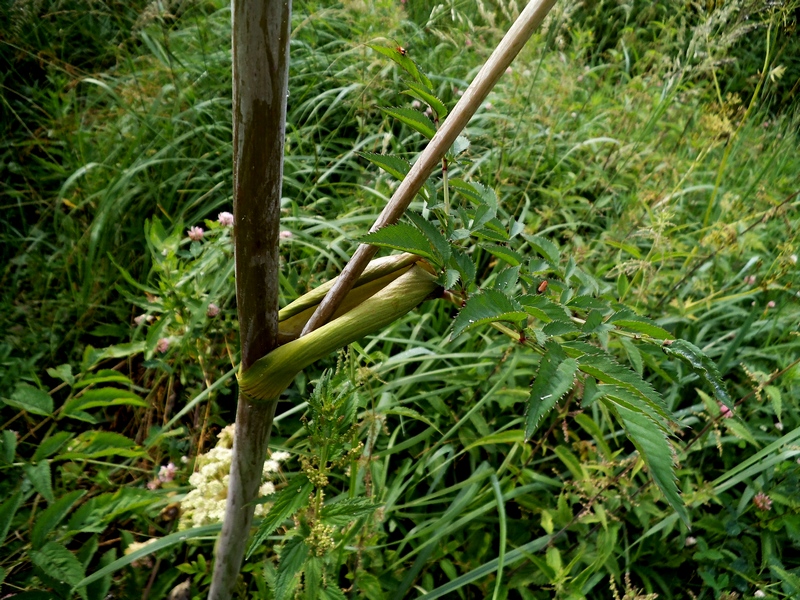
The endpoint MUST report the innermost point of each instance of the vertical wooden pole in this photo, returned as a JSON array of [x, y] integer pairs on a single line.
[[261, 30]]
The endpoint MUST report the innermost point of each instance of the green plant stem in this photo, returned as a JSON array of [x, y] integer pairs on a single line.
[[530, 18]]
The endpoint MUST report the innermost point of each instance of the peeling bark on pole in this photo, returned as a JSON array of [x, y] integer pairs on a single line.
[[261, 31]]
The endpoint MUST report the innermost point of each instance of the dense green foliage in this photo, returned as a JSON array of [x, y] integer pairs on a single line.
[[637, 154]]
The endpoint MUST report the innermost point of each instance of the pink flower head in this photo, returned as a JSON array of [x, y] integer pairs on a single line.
[[195, 233], [771, 304], [163, 345], [141, 319], [285, 235], [167, 472], [212, 311], [750, 280], [416, 104], [509, 71], [225, 219], [153, 485], [726, 412], [762, 501]]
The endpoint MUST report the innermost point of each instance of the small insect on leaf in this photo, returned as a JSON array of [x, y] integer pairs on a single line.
[[542, 287], [402, 50]]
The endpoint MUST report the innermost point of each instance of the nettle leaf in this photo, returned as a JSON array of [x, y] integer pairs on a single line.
[[49, 518], [403, 237], [292, 557], [9, 445], [654, 448], [31, 399], [544, 247], [59, 564], [486, 307], [506, 254], [402, 59], [313, 578], [603, 368], [542, 308], [41, 479], [627, 319], [347, 510], [431, 231], [287, 502], [424, 95], [7, 511], [51, 445], [555, 377], [702, 365], [414, 119]]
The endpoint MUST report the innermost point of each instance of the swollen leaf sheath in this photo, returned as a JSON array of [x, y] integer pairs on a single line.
[[273, 373]]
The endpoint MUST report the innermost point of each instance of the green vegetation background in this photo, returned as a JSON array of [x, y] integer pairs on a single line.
[[654, 142]]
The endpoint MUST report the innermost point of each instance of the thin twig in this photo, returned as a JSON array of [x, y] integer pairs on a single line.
[[476, 93]]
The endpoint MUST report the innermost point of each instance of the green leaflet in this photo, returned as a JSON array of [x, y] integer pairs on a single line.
[[291, 499], [402, 59], [629, 320], [435, 237], [702, 365], [544, 247], [655, 450], [403, 237], [424, 95], [542, 308], [485, 307], [414, 119], [603, 368], [394, 166], [555, 378], [505, 253]]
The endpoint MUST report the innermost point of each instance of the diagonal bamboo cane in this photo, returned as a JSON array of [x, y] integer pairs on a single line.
[[522, 29]]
